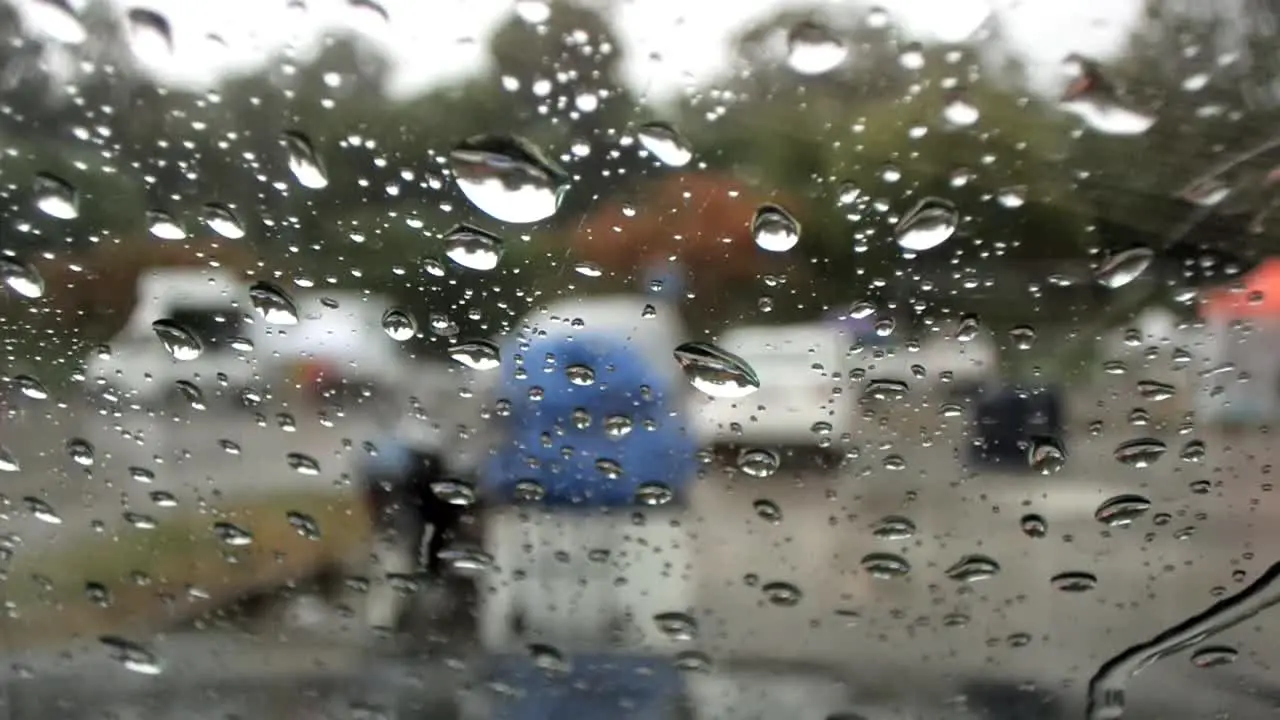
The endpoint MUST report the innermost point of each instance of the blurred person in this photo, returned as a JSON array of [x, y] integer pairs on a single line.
[[406, 479]]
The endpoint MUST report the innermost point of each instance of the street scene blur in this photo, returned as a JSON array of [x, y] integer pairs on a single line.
[[627, 359]]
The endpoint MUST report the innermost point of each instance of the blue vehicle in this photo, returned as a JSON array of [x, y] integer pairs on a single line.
[[592, 423]]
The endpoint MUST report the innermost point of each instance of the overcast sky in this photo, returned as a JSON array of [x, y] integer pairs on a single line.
[[669, 42]]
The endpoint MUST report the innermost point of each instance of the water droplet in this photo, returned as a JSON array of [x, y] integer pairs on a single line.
[[56, 19], [768, 511], [1124, 267], [1155, 391], [758, 462], [1093, 99], [56, 197], [31, 387], [132, 656], [886, 390], [1022, 336], [302, 464], [191, 393], [273, 304], [580, 375], [782, 594], [1074, 581], [304, 163], [929, 224], [21, 278], [222, 220], [972, 568], [911, 56], [588, 269], [970, 326], [1122, 510], [716, 372], [1046, 455], [477, 354], [163, 498], [894, 527], [164, 226], [98, 594], [304, 524], [9, 461], [548, 658], [534, 12], [677, 625], [140, 521], [692, 661], [617, 426], [150, 36], [473, 248], [1034, 526], [959, 112], [1012, 197], [665, 143], [508, 178], [232, 535], [1214, 656], [42, 510], [529, 491], [654, 493], [774, 229], [1193, 451], [1140, 453], [80, 451], [885, 566], [814, 49], [399, 325]]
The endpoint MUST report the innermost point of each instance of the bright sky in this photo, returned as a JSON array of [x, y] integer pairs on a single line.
[[669, 42]]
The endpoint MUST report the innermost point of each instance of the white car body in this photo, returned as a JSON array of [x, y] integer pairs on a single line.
[[803, 396]]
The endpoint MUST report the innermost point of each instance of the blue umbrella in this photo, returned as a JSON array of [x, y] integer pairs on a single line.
[[589, 444]]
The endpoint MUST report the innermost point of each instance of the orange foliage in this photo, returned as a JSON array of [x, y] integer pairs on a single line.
[[701, 219]]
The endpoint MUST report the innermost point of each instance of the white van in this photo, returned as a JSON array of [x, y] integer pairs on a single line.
[[804, 398], [135, 368]]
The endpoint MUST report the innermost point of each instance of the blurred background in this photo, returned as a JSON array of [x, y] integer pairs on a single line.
[[960, 328]]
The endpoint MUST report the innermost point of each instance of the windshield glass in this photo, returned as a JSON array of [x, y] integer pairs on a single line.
[[478, 359]]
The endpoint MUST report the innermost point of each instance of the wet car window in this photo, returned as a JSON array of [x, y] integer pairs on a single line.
[[639, 359]]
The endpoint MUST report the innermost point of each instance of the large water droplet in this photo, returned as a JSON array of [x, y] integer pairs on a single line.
[[972, 568], [929, 224], [767, 510], [782, 594], [42, 510], [1074, 581], [1124, 267], [1140, 453], [477, 354], [80, 451], [894, 527], [220, 219], [399, 325], [654, 494], [9, 461], [508, 178], [1046, 455], [31, 387], [665, 143], [1155, 391], [150, 36], [758, 462], [56, 197], [302, 464], [177, 340], [305, 164], [1214, 656], [232, 535], [1034, 525], [473, 248], [677, 625], [21, 278], [132, 656], [814, 49], [885, 566], [273, 304], [164, 226], [774, 229], [1122, 510], [716, 372], [959, 112]]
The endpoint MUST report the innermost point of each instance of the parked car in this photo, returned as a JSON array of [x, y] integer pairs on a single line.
[[804, 400]]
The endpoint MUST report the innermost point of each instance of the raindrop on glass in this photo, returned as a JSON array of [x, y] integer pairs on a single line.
[[1122, 510], [304, 163], [814, 49], [665, 143], [774, 229], [972, 568], [220, 219], [929, 224], [508, 178], [477, 354], [273, 304], [398, 324], [716, 372], [473, 248], [1124, 267], [56, 197]]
